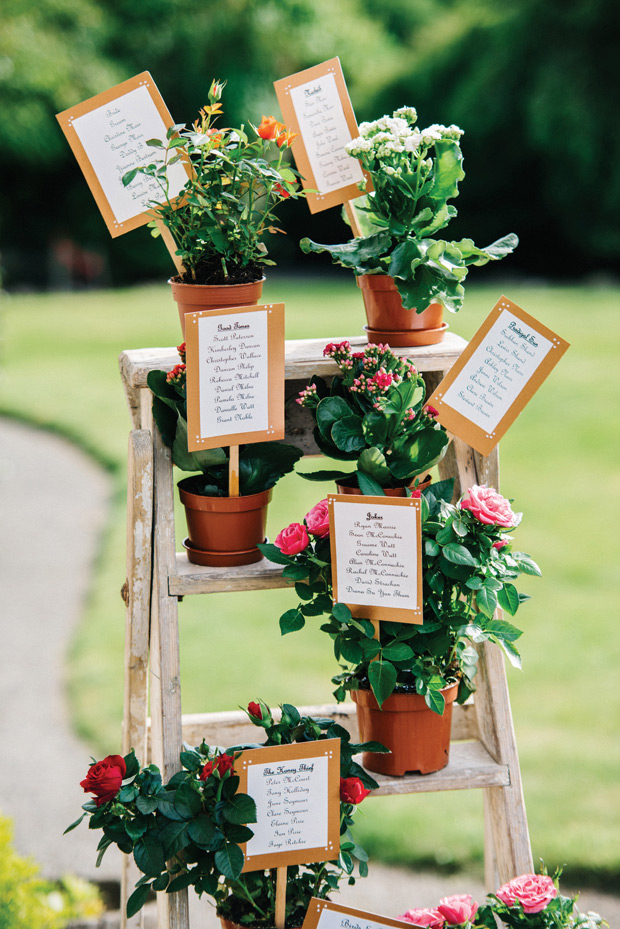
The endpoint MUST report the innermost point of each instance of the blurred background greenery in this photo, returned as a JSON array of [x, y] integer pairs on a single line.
[[534, 84]]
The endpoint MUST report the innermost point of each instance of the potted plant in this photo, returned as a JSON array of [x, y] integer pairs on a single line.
[[188, 832], [223, 530], [408, 274], [533, 901], [405, 678], [227, 207], [374, 413]]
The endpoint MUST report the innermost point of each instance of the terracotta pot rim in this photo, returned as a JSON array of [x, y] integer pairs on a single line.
[[233, 504], [174, 282], [396, 703], [389, 491]]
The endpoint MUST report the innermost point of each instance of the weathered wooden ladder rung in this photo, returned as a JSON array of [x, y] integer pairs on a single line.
[[483, 754]]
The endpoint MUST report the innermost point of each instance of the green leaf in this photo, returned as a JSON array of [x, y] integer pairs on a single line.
[[174, 838], [397, 651], [414, 454], [291, 621], [146, 804], [347, 434], [304, 592], [182, 881], [458, 554], [74, 824], [325, 475], [201, 830], [137, 900], [241, 809], [363, 254], [273, 553], [526, 564], [135, 828], [435, 701], [382, 677], [373, 463], [229, 860], [486, 601], [448, 169], [149, 856], [262, 464], [508, 599], [341, 612], [330, 411], [187, 801], [368, 485], [295, 572]]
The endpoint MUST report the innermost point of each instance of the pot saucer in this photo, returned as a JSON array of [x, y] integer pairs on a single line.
[[403, 338], [221, 559]]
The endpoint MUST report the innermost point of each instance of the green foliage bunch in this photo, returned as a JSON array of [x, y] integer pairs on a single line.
[[468, 569], [261, 464], [373, 412], [188, 832], [228, 203], [415, 172]]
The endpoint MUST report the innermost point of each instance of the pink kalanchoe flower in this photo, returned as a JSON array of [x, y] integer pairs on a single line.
[[357, 355], [459, 909], [533, 891], [489, 507], [426, 918], [431, 411], [177, 375]]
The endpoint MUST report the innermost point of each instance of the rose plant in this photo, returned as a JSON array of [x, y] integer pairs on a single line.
[[533, 901], [456, 912], [188, 832], [374, 413], [261, 464], [236, 181], [468, 569], [415, 172]]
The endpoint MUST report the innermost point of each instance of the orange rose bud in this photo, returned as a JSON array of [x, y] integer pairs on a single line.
[[286, 138], [269, 127]]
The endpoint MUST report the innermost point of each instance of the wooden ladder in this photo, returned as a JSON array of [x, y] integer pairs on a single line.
[[483, 754]]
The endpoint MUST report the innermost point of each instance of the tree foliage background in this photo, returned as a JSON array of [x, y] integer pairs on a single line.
[[534, 84]]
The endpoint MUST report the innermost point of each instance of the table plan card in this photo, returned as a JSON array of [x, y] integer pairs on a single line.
[[235, 375], [498, 373], [108, 136], [315, 103], [323, 914], [377, 556], [296, 789]]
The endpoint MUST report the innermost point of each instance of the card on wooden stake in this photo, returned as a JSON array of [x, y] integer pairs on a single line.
[[323, 914], [498, 373], [235, 376], [376, 549], [108, 135], [315, 103], [296, 789]]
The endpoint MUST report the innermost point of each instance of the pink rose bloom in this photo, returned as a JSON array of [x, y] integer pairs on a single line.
[[458, 909], [500, 544], [429, 919], [533, 891], [293, 539], [317, 520], [488, 506]]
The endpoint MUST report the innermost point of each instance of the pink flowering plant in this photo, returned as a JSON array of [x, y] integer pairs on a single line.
[[374, 413], [533, 901], [469, 569], [415, 172], [189, 831], [456, 912], [261, 464]]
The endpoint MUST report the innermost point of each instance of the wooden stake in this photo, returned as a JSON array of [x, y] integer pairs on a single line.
[[280, 897], [171, 245], [233, 471], [349, 206]]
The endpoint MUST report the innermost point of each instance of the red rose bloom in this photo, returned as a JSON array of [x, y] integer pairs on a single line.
[[104, 778], [220, 765], [293, 539], [352, 790], [255, 710]]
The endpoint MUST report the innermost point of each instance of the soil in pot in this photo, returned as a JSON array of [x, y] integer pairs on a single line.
[[349, 486], [418, 739], [389, 322], [223, 530]]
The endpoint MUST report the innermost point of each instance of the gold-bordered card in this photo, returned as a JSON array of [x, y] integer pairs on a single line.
[[376, 549], [296, 789], [323, 914], [497, 374]]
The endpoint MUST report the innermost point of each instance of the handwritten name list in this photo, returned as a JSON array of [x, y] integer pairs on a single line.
[[114, 138], [497, 374], [376, 551], [323, 126], [233, 359], [296, 791]]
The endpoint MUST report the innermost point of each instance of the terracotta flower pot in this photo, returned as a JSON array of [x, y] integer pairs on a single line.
[[353, 489], [224, 530], [191, 298], [389, 322], [419, 739]]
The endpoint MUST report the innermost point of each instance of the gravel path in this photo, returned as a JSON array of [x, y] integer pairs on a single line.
[[53, 501]]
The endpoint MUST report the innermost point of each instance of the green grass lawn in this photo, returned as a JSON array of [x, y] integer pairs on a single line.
[[59, 369]]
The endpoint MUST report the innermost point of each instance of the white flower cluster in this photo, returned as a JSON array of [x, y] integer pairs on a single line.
[[397, 134]]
